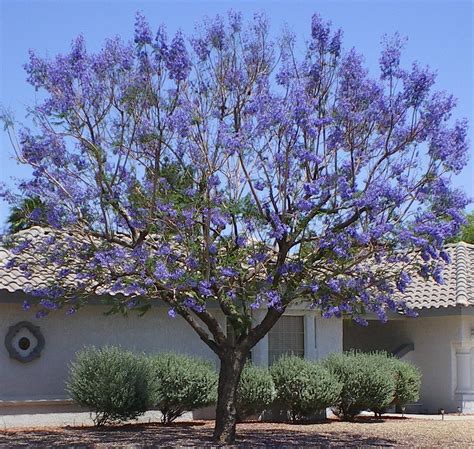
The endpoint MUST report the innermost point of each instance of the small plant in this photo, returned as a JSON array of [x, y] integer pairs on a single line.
[[407, 383], [367, 382], [181, 383], [255, 392], [111, 382], [303, 387]]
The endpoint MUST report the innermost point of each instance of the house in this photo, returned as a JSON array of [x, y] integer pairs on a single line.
[[440, 341], [35, 355]]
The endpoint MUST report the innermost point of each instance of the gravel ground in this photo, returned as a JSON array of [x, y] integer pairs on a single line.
[[366, 432]]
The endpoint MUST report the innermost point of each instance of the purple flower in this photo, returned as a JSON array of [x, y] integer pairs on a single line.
[[10, 263], [214, 181], [241, 241], [204, 288], [143, 34], [360, 321], [390, 57], [403, 281], [218, 218], [320, 31], [48, 304], [20, 247], [235, 20], [41, 313], [274, 299], [304, 205], [64, 272], [334, 284], [71, 311], [228, 272], [438, 274], [161, 271], [259, 185], [132, 303], [178, 62], [256, 303], [232, 295], [192, 263]]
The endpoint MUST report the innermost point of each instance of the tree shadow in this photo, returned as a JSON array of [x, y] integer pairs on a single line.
[[183, 434]]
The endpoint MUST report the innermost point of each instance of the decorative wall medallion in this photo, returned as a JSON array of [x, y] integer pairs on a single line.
[[24, 342]]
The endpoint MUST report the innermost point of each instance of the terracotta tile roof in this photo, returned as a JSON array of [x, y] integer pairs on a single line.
[[14, 279], [458, 286], [457, 289]]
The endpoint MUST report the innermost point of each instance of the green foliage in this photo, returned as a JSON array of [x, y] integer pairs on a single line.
[[406, 380], [467, 230], [181, 383], [111, 382], [255, 392], [367, 382], [19, 218], [407, 383], [303, 387]]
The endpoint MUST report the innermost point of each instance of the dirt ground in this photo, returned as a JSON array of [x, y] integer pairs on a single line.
[[365, 432]]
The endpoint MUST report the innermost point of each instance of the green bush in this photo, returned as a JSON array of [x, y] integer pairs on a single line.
[[111, 382], [303, 387], [407, 383], [406, 380], [255, 392], [367, 382], [181, 383]]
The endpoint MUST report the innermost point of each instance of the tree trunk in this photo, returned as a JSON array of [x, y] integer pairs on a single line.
[[226, 414]]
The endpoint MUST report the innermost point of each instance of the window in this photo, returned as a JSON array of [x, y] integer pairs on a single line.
[[286, 338]]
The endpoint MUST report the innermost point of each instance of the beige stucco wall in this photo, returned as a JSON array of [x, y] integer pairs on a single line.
[[436, 339], [328, 336], [45, 378]]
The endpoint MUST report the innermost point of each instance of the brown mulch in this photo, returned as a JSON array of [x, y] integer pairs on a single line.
[[366, 432]]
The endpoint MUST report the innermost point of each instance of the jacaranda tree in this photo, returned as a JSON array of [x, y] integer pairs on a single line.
[[228, 171]]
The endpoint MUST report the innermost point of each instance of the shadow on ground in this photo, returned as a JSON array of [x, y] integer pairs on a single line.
[[184, 434]]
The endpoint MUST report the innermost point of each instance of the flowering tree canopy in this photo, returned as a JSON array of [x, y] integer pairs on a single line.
[[229, 168]]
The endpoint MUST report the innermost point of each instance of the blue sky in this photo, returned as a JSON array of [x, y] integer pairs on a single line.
[[440, 33]]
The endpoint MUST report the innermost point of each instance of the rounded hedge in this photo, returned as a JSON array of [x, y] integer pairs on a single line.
[[367, 382], [407, 383], [255, 392], [406, 380], [181, 383], [111, 382], [303, 387]]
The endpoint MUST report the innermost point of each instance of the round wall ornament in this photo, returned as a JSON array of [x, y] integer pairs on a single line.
[[24, 341]]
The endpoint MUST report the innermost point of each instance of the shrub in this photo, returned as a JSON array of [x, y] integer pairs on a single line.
[[182, 383], [303, 387], [367, 382], [407, 383], [111, 382], [255, 392], [406, 380]]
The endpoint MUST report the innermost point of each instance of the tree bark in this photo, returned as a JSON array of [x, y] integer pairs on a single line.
[[232, 364]]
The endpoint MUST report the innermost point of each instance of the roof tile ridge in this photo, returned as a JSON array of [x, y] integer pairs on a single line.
[[462, 271]]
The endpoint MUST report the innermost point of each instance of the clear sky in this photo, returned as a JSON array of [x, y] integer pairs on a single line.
[[439, 32]]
